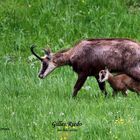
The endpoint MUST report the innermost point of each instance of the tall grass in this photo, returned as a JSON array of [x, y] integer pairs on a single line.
[[28, 105]]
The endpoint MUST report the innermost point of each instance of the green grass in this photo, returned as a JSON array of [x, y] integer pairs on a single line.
[[28, 105]]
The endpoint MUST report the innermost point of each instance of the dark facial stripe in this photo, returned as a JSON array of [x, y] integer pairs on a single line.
[[44, 67]]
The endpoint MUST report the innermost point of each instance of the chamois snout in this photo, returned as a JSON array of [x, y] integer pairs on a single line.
[[41, 76]]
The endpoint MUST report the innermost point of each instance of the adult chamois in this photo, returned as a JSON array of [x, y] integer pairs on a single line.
[[89, 56]]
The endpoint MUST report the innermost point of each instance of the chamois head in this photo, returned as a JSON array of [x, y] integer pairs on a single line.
[[103, 75], [47, 64]]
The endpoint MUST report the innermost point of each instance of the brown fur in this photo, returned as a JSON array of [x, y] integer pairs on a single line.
[[122, 83], [90, 56]]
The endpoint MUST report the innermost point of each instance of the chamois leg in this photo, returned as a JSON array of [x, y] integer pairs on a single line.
[[138, 93], [79, 83], [101, 86], [137, 90], [125, 93]]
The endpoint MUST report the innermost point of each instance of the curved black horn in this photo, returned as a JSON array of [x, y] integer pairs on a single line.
[[32, 50]]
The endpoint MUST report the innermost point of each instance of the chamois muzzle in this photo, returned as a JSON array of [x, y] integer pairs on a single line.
[[32, 50], [41, 76]]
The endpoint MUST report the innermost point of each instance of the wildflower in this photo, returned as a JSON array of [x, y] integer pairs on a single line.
[[32, 65], [110, 113], [64, 136], [13, 113], [87, 88], [73, 127], [50, 113], [31, 58], [35, 123], [115, 137], [66, 127], [119, 121], [62, 114], [83, 1]]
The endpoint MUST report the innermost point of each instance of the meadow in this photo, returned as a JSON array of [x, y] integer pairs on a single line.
[[28, 105]]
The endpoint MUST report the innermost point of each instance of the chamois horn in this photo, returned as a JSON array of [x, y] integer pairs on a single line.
[[32, 50]]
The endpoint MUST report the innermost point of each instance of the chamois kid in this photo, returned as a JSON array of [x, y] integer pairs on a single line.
[[120, 82]]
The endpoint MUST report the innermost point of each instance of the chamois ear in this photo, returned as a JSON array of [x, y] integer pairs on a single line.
[[47, 51]]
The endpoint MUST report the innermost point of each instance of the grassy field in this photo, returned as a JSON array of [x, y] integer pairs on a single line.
[[29, 106]]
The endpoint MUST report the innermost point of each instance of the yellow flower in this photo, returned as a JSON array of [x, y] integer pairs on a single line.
[[73, 127], [66, 127], [119, 121], [64, 136], [83, 1]]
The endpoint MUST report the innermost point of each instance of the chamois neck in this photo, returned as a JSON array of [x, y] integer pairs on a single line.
[[110, 76], [62, 58]]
